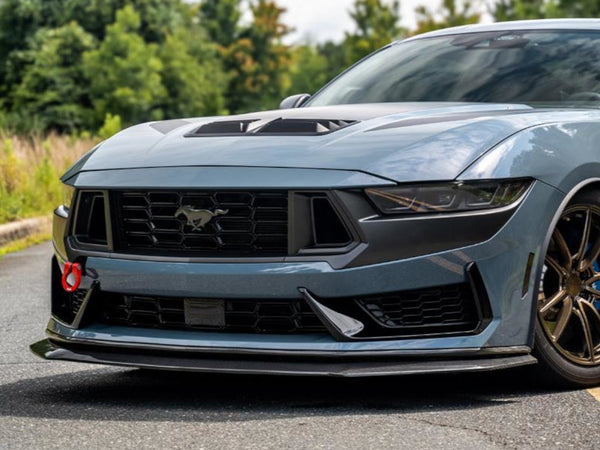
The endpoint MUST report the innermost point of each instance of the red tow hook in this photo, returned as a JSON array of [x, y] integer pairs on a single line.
[[75, 269]]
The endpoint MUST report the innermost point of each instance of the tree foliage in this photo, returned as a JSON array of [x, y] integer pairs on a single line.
[[309, 70], [377, 24], [77, 65], [452, 13], [124, 72], [525, 9], [53, 85], [255, 59], [220, 19], [579, 8], [540, 9]]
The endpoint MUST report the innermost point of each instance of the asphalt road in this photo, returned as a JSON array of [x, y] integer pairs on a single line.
[[69, 405]]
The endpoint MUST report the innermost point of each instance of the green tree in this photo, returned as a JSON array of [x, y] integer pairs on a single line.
[[192, 76], [20, 21], [335, 55], [220, 19], [257, 62], [579, 8], [451, 14], [377, 24], [525, 9], [53, 90], [309, 70], [157, 17], [125, 72]]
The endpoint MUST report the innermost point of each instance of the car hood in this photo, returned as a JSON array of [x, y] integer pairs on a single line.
[[399, 142]]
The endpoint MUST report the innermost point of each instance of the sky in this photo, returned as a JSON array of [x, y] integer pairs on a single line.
[[322, 20]]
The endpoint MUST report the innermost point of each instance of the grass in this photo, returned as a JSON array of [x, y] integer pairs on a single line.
[[22, 244], [30, 167]]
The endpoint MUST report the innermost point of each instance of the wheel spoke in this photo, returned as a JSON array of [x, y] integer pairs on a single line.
[[587, 262], [554, 265], [563, 248], [587, 331], [592, 291], [585, 236], [563, 319], [593, 318], [553, 301], [589, 285]]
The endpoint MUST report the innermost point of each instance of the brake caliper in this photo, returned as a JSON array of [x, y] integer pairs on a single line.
[[597, 285]]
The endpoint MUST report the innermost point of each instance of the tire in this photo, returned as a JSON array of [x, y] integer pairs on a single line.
[[567, 319]]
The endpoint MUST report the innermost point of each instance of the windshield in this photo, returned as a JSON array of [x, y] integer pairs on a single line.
[[545, 68]]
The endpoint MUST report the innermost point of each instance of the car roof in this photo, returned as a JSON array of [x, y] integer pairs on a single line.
[[544, 24]]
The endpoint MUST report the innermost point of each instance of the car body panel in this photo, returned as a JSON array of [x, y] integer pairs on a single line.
[[516, 25], [561, 154], [396, 146], [225, 177]]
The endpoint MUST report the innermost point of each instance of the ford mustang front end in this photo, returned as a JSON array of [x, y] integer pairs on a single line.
[[389, 225]]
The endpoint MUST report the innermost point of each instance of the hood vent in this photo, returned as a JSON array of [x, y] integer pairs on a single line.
[[281, 127]]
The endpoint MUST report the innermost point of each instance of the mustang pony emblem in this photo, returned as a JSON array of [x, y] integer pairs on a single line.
[[199, 218]]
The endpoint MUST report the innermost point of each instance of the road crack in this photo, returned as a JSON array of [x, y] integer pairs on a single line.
[[489, 436]]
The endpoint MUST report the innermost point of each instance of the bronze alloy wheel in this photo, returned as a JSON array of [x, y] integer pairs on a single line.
[[569, 295]]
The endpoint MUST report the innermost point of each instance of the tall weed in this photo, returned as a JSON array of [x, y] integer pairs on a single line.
[[30, 167]]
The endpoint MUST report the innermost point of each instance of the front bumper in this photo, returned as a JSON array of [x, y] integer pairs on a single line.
[[501, 260]]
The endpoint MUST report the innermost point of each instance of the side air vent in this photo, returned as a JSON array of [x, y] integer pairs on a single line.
[[326, 231], [90, 222], [329, 230], [308, 127]]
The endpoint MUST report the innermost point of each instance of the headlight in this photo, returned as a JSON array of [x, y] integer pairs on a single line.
[[448, 197], [68, 195]]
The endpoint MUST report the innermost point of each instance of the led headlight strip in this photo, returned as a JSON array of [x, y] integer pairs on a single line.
[[429, 198]]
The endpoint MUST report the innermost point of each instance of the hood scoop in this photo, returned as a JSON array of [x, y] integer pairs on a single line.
[[273, 127]]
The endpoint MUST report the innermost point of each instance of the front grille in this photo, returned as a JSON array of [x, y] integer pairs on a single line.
[[425, 312], [445, 308], [249, 316], [204, 223]]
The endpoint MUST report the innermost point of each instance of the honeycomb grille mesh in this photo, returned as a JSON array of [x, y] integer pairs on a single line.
[[250, 316], [204, 223], [77, 299], [442, 307]]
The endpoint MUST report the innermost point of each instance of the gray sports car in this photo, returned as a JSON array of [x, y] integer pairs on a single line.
[[434, 208]]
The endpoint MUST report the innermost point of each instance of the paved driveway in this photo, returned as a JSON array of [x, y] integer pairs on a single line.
[[68, 405]]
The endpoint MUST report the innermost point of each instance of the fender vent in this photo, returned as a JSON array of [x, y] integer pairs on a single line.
[[307, 127]]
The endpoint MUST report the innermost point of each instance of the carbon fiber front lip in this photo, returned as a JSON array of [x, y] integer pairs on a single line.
[[464, 352], [202, 362]]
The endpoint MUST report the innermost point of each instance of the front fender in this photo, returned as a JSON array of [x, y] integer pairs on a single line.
[[561, 154]]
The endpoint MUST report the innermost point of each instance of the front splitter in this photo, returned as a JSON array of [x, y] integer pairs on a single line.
[[262, 365]]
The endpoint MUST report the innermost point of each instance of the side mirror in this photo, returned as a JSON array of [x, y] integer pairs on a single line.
[[294, 101]]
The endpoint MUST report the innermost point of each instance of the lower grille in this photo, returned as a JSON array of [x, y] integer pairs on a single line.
[[445, 308], [250, 316], [204, 223], [77, 299]]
